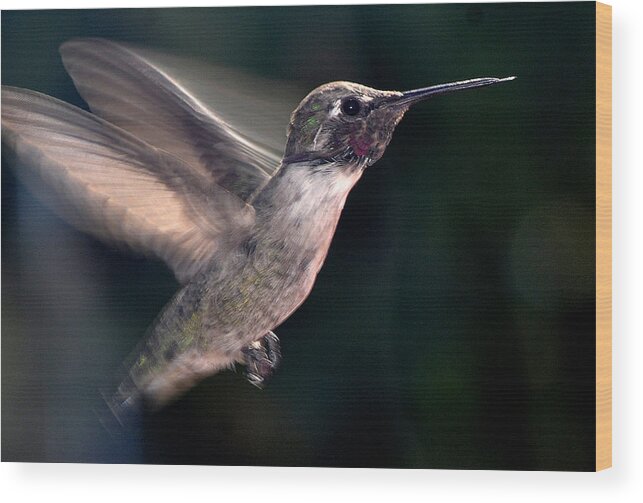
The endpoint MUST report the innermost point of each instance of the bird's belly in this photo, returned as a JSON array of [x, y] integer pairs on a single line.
[[263, 294], [283, 289], [275, 277]]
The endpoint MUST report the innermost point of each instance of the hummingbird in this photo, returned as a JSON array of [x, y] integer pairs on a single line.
[[244, 227]]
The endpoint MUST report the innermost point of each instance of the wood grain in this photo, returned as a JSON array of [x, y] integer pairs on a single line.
[[603, 236]]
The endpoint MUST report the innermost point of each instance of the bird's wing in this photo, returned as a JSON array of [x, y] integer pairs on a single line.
[[147, 94], [117, 187]]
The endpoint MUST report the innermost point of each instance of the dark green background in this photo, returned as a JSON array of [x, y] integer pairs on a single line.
[[452, 325]]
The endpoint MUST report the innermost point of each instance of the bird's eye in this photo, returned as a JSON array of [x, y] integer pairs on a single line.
[[351, 106]]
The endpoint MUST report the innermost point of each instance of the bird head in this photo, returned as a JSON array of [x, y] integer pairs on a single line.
[[344, 122]]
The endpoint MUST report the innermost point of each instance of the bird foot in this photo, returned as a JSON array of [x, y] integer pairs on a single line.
[[261, 359]]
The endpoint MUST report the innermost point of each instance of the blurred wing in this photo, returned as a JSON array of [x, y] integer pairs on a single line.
[[117, 187], [146, 94]]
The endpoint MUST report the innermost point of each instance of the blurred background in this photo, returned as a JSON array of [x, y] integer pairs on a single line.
[[452, 325]]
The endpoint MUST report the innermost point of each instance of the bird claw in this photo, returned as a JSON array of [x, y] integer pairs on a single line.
[[261, 358]]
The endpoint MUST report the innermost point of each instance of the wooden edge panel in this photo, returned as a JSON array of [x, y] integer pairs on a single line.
[[603, 236]]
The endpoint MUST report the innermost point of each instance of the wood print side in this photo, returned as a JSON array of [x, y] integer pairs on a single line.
[[603, 236]]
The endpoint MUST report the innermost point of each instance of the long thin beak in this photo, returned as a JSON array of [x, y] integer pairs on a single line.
[[408, 98]]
